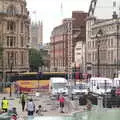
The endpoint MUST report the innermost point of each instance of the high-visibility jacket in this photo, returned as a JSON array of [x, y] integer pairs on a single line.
[[5, 104]]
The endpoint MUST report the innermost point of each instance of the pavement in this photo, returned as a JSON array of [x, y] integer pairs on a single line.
[[50, 105]]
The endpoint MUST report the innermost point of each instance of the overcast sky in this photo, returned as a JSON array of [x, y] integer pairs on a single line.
[[51, 12]]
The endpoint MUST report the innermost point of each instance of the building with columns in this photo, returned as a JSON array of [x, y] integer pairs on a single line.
[[14, 36], [103, 46]]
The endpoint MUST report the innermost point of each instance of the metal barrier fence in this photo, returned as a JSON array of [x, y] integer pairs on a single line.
[[104, 114]]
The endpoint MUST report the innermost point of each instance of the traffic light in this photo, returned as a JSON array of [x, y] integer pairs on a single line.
[[88, 76], [80, 76], [66, 76], [39, 75], [73, 75]]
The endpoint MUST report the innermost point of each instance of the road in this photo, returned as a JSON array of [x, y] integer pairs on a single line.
[[51, 105]]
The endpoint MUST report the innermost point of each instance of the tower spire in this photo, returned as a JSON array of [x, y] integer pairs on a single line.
[[114, 10], [61, 9]]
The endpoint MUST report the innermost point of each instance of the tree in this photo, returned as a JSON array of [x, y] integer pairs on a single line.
[[35, 59]]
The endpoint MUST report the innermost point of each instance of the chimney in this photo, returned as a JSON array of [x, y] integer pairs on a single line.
[[114, 16]]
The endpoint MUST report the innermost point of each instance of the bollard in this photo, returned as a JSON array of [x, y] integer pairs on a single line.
[[100, 102]]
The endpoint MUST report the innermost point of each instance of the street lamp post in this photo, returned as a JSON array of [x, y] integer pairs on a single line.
[[117, 49], [11, 67], [98, 62], [98, 35]]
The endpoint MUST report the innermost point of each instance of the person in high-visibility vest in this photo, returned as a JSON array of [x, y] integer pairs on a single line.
[[4, 104]]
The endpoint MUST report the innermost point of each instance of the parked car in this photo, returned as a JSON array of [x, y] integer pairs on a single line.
[[81, 88]]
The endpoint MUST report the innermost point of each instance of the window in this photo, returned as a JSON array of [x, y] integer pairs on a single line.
[[78, 53], [11, 26], [22, 42], [21, 27], [8, 56], [10, 59], [22, 9], [15, 58], [111, 56], [22, 58], [111, 42], [11, 41], [11, 10]]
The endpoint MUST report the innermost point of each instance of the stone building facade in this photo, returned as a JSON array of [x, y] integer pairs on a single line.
[[79, 40], [59, 47], [64, 40], [107, 44], [14, 36], [36, 32]]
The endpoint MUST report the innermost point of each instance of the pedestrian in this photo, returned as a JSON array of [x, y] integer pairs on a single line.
[[23, 100], [30, 107], [61, 101], [14, 114], [58, 96], [39, 111], [89, 105], [4, 104]]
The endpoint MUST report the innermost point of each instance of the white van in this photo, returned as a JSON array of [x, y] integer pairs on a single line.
[[58, 85], [116, 82], [100, 85]]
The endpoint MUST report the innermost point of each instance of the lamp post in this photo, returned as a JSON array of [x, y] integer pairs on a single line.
[[117, 49], [11, 67], [98, 35], [73, 72]]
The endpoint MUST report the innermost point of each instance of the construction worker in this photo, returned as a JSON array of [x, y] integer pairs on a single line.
[[4, 104]]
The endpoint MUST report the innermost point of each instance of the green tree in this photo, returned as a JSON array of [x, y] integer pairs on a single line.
[[35, 59]]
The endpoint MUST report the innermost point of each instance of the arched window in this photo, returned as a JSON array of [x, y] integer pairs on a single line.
[[11, 10]]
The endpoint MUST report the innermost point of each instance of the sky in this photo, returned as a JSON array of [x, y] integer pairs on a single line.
[[51, 12]]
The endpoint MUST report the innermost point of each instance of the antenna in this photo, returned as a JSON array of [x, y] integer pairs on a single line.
[[114, 6], [114, 10], [119, 10], [61, 10]]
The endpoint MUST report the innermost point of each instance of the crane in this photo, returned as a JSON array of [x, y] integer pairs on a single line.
[[93, 3], [92, 7]]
